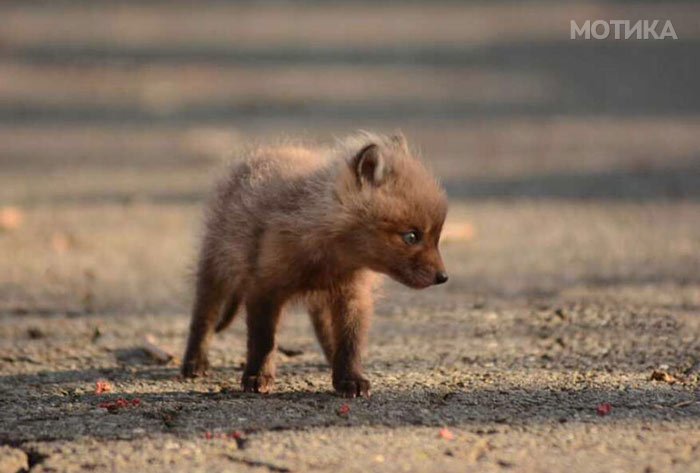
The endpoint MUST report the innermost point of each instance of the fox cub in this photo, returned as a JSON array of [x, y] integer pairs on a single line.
[[314, 225]]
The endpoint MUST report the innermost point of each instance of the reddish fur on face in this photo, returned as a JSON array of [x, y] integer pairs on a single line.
[[314, 224]]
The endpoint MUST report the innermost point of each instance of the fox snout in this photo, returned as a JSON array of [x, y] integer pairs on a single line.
[[434, 260], [441, 277], [424, 277], [426, 270]]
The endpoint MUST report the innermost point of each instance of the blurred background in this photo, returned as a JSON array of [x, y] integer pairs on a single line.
[[573, 167]]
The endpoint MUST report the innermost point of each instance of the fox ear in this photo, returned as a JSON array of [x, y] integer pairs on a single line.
[[369, 165], [399, 140]]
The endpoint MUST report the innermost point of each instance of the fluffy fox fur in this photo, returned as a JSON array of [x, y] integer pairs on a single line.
[[314, 224]]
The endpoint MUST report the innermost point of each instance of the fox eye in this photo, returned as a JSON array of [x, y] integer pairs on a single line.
[[411, 238]]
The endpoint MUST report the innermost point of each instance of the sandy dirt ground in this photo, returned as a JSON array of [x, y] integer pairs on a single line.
[[541, 324], [568, 336]]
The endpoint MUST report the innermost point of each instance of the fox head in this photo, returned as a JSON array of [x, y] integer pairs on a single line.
[[395, 209]]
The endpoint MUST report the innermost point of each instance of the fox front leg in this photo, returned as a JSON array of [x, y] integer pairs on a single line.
[[351, 310]]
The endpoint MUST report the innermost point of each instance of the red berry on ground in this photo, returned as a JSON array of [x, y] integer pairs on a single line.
[[102, 386], [446, 434], [603, 409]]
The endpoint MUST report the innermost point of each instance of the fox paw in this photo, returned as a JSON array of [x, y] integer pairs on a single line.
[[257, 383], [195, 366], [352, 386]]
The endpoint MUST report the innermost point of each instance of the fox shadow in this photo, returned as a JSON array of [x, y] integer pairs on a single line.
[[43, 407]]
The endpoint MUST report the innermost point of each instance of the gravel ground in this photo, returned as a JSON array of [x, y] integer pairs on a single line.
[[513, 361], [568, 336]]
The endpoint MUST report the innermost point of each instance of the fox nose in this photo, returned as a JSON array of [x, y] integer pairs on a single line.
[[441, 277]]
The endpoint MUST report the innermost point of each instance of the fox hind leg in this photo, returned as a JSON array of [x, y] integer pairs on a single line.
[[209, 298], [229, 312], [263, 314], [322, 321]]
